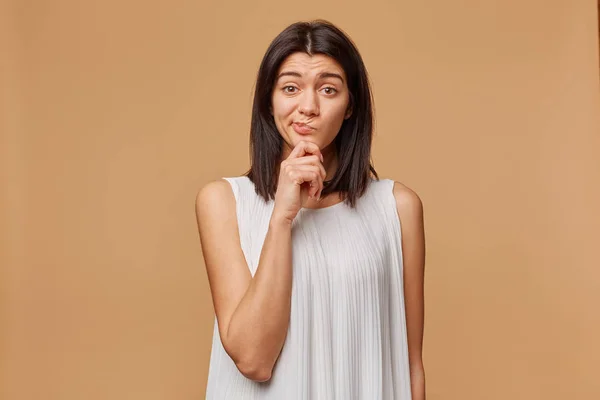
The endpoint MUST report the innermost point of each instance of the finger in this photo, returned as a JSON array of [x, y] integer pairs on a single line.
[[309, 160], [318, 185], [306, 174], [321, 189], [303, 148], [311, 174]]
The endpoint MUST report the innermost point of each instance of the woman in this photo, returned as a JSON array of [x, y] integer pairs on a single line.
[[317, 288]]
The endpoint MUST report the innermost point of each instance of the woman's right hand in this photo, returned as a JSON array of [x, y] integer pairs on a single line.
[[301, 176]]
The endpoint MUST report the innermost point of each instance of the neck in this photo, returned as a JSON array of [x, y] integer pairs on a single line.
[[330, 163]]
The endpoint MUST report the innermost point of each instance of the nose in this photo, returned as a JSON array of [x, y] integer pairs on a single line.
[[309, 103]]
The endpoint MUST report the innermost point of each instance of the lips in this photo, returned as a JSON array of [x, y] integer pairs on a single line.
[[302, 128]]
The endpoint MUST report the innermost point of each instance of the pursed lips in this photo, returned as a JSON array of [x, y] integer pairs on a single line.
[[302, 128], [302, 124]]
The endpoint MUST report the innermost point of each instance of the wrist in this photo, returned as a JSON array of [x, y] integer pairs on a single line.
[[279, 222]]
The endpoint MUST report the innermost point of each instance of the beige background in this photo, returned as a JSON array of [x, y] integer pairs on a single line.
[[114, 113]]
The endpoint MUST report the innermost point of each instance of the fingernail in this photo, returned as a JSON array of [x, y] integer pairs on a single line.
[[322, 160]]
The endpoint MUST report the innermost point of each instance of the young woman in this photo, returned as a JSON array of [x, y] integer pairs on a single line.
[[315, 265]]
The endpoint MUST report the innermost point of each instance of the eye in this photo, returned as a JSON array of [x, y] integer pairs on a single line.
[[330, 90], [285, 89]]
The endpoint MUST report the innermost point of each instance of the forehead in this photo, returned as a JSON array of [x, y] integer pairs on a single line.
[[309, 65]]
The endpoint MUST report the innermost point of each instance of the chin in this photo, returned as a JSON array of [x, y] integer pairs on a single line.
[[307, 138], [297, 138]]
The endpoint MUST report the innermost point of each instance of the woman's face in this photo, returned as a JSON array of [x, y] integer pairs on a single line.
[[310, 100]]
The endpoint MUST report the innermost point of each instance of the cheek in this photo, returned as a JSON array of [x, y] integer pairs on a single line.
[[335, 114], [282, 107]]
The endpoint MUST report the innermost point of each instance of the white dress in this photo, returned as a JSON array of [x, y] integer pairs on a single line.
[[347, 335]]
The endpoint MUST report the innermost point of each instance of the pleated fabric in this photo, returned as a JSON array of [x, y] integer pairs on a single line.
[[347, 335]]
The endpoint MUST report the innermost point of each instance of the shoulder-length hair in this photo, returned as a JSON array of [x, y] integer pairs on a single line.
[[353, 141]]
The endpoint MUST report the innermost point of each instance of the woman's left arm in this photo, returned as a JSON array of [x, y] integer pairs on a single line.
[[410, 211]]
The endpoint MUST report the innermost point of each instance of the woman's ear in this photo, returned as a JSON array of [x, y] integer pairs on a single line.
[[348, 112], [349, 109]]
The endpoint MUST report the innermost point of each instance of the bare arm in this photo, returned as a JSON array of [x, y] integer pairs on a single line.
[[410, 211], [252, 312]]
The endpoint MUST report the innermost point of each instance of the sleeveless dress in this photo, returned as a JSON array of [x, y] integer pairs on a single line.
[[347, 336]]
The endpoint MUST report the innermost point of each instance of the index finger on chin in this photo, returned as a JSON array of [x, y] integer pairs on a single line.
[[303, 148]]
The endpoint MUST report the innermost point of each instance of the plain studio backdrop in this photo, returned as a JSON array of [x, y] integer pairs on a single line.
[[115, 113]]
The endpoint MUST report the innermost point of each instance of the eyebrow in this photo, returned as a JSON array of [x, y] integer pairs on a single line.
[[322, 75]]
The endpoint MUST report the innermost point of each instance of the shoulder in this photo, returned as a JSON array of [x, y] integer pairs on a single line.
[[406, 198], [408, 204], [214, 191], [216, 196]]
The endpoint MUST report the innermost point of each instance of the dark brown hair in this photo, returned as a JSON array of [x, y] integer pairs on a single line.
[[353, 141]]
